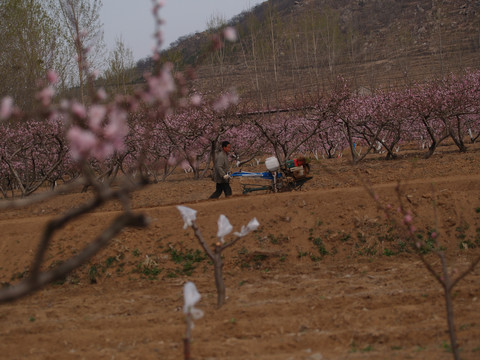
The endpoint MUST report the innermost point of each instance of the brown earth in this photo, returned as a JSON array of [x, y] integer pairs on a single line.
[[324, 277]]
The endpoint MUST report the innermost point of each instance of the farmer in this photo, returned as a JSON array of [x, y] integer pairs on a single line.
[[220, 172]]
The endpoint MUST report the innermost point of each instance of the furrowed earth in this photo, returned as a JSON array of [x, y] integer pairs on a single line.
[[326, 275]]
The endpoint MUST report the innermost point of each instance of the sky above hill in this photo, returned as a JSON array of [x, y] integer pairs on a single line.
[[132, 20]]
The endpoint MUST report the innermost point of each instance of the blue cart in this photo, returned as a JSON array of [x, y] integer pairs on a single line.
[[278, 181]]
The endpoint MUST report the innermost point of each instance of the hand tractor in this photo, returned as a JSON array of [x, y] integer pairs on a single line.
[[286, 177]]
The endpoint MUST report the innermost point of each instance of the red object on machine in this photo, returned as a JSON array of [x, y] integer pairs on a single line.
[[298, 167], [300, 161], [296, 162]]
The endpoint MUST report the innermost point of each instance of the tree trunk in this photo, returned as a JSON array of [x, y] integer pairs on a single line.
[[218, 267]]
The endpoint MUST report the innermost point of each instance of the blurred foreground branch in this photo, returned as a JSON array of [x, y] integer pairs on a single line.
[[38, 279]]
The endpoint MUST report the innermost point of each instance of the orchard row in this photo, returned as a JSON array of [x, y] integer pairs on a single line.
[[114, 137]]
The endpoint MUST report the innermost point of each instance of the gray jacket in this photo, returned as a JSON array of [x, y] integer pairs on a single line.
[[221, 167]]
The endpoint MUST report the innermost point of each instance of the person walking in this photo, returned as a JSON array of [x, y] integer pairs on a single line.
[[220, 172]]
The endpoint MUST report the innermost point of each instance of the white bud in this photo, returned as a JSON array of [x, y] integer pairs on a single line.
[[224, 228], [188, 215]]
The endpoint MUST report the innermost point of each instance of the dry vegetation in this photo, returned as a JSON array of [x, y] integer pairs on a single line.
[[292, 49]]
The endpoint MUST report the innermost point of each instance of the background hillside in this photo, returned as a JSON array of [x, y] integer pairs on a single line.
[[297, 48]]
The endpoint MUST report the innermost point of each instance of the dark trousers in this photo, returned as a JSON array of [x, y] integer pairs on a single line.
[[222, 187]]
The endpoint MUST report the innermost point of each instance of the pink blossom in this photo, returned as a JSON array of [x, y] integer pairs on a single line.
[[64, 105], [55, 116], [6, 107], [45, 95], [156, 56], [225, 101], [102, 94], [96, 114], [157, 5], [159, 36], [407, 219], [117, 129], [196, 99], [161, 86], [79, 110], [81, 142], [103, 150], [52, 77], [172, 160], [230, 34], [117, 126]]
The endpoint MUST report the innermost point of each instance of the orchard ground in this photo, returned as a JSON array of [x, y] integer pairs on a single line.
[[324, 277]]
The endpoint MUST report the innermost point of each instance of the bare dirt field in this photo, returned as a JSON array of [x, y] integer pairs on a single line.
[[324, 277]]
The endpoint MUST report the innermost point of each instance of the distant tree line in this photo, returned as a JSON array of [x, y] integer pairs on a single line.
[[286, 49], [296, 49], [39, 35]]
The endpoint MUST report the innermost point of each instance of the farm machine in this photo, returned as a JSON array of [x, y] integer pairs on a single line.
[[288, 176]]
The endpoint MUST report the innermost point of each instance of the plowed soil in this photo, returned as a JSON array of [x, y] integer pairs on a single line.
[[326, 276]]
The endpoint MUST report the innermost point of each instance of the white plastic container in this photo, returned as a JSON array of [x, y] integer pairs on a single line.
[[298, 172], [272, 163]]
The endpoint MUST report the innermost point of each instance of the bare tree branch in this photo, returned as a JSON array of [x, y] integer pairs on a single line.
[[39, 279]]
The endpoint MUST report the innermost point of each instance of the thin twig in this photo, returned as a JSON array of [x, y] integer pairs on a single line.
[[41, 279]]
